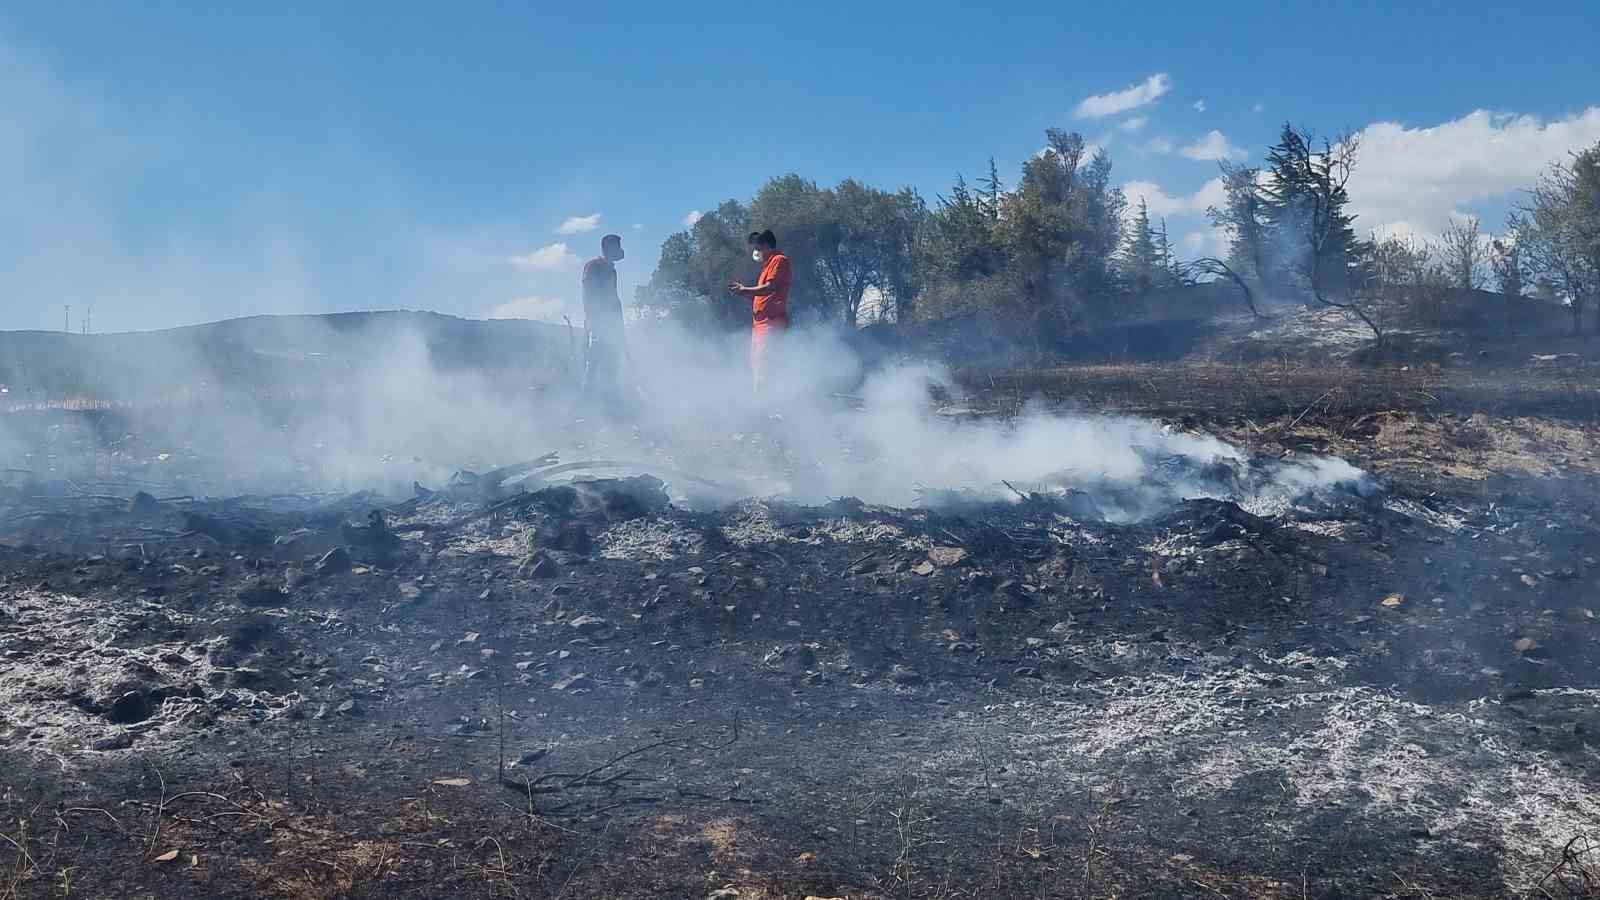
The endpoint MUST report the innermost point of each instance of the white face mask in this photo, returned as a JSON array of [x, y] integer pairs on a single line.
[[755, 255]]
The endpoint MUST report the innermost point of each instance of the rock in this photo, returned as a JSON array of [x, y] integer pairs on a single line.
[[529, 757], [119, 741], [258, 593], [578, 682], [334, 562], [539, 565], [143, 504], [924, 568], [589, 625], [349, 708], [903, 674], [129, 708], [946, 556], [572, 537]]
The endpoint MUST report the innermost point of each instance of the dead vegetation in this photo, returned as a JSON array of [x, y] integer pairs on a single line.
[[582, 691]]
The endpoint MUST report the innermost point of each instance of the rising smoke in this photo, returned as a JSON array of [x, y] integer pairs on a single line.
[[379, 401]]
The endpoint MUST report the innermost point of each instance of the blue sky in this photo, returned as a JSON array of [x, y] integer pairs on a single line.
[[173, 163]]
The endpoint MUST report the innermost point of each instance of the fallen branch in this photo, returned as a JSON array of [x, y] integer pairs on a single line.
[[602, 778]]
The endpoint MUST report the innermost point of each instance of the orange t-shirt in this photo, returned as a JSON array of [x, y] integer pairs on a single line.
[[772, 310]]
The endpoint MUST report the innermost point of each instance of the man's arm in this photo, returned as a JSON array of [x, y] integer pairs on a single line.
[[760, 289], [766, 287]]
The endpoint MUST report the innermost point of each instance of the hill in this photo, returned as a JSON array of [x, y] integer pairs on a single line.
[[250, 354]]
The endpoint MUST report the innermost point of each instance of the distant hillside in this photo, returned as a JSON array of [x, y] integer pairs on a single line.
[[267, 353]]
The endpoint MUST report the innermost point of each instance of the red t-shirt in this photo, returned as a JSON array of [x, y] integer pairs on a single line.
[[772, 310]]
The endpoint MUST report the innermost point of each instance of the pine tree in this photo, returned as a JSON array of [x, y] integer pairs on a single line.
[[1166, 260], [992, 190], [1141, 255], [1304, 208]]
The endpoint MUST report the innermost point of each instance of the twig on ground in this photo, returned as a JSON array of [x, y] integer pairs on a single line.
[[161, 805]]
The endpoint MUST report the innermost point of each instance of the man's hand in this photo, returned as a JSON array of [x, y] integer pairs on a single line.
[[736, 288]]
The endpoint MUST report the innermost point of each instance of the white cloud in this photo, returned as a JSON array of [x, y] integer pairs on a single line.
[[1413, 179], [693, 216], [1206, 242], [580, 224], [1212, 193], [1200, 106], [541, 309], [638, 226], [546, 258], [1159, 145], [1214, 146], [1259, 108], [1160, 203], [1101, 105], [1134, 124]]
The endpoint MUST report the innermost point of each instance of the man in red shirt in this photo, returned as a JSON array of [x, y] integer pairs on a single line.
[[602, 322], [769, 304]]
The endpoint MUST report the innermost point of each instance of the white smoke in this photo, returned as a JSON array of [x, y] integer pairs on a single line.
[[382, 401]]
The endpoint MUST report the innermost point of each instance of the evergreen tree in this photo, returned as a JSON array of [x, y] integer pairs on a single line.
[[992, 191], [1141, 254], [1305, 213]]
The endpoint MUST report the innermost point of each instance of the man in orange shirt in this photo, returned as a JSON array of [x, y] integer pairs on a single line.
[[769, 304]]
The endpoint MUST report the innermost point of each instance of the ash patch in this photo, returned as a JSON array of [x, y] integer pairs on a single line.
[[650, 539]]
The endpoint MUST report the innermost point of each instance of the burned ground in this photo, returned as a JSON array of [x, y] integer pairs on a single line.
[[1381, 695]]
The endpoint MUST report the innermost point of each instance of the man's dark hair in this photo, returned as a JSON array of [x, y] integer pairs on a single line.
[[763, 239], [611, 240]]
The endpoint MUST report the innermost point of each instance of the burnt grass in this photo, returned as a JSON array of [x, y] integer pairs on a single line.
[[598, 696]]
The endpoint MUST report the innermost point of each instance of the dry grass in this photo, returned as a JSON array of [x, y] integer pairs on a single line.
[[1283, 389]]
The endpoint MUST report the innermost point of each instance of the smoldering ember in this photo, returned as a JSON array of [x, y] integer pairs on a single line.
[[422, 619]]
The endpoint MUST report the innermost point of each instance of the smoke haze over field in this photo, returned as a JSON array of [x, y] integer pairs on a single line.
[[380, 400]]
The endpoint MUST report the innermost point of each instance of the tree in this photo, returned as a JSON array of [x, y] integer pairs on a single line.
[[840, 242], [1558, 231], [958, 245], [1505, 258], [993, 190], [1142, 264], [1461, 247], [696, 264], [1313, 242], [1241, 216], [1061, 228], [1402, 276], [1217, 268], [1304, 209]]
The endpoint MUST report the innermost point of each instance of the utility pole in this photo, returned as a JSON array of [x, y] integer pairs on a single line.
[[66, 320]]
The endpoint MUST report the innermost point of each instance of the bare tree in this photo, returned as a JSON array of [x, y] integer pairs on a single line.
[[1462, 249], [1505, 258], [1210, 265], [1558, 230]]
